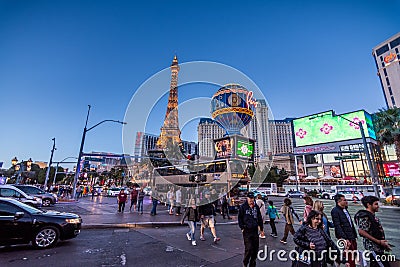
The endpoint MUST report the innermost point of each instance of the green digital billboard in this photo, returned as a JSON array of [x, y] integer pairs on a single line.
[[326, 127], [244, 149]]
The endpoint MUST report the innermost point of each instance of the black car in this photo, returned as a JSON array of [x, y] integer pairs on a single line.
[[47, 198], [22, 224]]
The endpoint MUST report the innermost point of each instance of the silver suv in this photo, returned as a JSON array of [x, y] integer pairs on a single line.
[[9, 191], [47, 198]]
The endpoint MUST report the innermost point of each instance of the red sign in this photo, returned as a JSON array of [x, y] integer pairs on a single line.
[[389, 58], [391, 169]]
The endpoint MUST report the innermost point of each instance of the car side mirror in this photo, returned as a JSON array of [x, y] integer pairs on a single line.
[[19, 215]]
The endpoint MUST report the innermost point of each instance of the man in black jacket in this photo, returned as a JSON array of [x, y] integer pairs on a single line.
[[370, 228], [344, 228], [250, 220]]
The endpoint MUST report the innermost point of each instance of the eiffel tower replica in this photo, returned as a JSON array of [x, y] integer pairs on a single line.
[[169, 144]]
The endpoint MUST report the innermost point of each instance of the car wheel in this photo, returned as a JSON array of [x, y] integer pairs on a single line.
[[46, 202], [46, 237]]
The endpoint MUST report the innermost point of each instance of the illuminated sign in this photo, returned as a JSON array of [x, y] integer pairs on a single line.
[[244, 149], [391, 169], [326, 127], [389, 58], [223, 148], [250, 100]]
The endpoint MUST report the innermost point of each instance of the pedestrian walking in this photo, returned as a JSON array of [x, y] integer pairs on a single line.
[[78, 192], [178, 201], [207, 217], [250, 221], [344, 227], [260, 203], [370, 228], [93, 192], [134, 196], [288, 212], [171, 200], [272, 214], [312, 241], [308, 207], [192, 215], [154, 200], [224, 204], [141, 195], [319, 206], [121, 197]]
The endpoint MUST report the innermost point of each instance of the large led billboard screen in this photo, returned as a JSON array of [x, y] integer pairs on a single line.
[[326, 127]]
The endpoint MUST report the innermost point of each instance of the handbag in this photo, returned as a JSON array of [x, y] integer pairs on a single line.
[[302, 260]]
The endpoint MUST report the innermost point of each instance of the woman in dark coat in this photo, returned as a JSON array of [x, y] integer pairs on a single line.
[[313, 242]]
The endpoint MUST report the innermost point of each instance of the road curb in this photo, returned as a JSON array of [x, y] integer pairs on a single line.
[[141, 225]]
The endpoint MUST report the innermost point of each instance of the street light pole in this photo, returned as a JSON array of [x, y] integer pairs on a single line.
[[51, 161], [85, 130]]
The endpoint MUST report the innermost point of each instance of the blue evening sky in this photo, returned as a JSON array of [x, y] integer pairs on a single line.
[[56, 57]]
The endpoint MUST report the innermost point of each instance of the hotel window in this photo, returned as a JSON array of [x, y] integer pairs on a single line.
[[387, 81], [390, 90], [385, 72], [395, 42], [393, 103], [382, 50], [397, 50]]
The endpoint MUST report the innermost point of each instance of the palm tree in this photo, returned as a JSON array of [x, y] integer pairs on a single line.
[[387, 127]]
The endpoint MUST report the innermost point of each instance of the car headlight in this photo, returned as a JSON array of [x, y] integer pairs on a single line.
[[75, 220]]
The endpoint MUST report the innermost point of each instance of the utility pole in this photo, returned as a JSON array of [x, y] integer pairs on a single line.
[[50, 162]]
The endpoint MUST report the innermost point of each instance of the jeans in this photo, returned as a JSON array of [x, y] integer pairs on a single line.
[[251, 245], [121, 206], [192, 226], [288, 228], [273, 227], [154, 208], [140, 205], [225, 210]]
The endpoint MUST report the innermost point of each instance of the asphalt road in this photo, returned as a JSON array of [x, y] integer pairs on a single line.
[[165, 246]]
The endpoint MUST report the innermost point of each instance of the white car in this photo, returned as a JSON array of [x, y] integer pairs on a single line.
[[9, 191], [114, 191], [351, 195]]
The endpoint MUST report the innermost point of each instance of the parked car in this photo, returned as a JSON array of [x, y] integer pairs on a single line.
[[9, 191], [326, 195], [263, 195], [22, 224], [395, 196], [296, 194], [147, 190], [351, 195], [47, 198], [114, 191]]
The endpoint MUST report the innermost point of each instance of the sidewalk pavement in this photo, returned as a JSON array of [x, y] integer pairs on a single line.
[[102, 212]]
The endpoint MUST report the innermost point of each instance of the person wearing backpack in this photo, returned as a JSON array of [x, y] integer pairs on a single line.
[[288, 213], [272, 213]]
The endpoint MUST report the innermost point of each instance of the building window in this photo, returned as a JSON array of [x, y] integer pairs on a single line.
[[390, 90], [381, 58], [393, 103], [382, 50], [395, 42], [397, 50], [383, 64], [387, 81], [385, 72]]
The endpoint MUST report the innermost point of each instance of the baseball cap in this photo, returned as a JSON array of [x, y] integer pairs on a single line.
[[250, 195]]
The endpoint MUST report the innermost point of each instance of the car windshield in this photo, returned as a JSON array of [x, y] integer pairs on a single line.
[[396, 191], [30, 190], [28, 208]]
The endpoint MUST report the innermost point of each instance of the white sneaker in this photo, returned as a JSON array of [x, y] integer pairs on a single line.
[[194, 243], [188, 236]]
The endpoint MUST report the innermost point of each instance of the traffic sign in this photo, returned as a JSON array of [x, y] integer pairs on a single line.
[[94, 159], [346, 157]]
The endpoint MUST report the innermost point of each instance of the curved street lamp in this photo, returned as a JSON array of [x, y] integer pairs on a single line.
[[55, 173], [85, 130]]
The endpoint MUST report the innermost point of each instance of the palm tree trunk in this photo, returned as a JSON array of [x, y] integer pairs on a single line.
[[397, 148]]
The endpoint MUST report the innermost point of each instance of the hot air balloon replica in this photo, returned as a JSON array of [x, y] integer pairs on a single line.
[[232, 106]]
